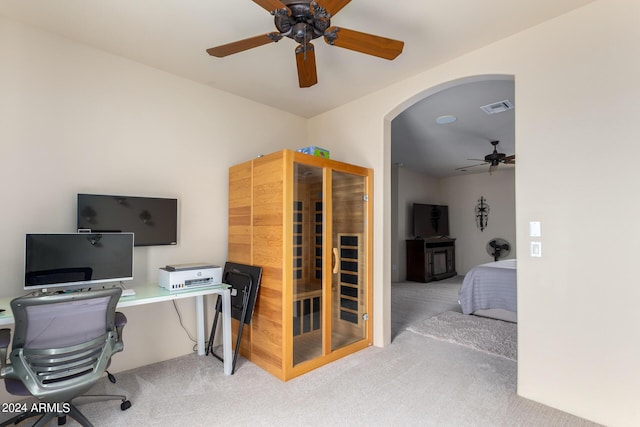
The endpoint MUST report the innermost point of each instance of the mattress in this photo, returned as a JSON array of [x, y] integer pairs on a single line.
[[490, 288]]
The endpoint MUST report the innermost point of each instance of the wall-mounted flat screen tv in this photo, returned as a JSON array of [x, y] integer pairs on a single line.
[[153, 220], [74, 260], [430, 220]]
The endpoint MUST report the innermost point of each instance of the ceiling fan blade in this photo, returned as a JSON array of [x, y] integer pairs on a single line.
[[242, 45], [381, 47], [333, 6], [270, 5], [306, 60], [509, 160], [472, 166]]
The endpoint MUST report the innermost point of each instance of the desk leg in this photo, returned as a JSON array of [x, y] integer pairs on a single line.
[[200, 324], [226, 331]]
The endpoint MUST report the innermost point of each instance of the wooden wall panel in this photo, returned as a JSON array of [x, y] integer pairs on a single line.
[[267, 240], [240, 179]]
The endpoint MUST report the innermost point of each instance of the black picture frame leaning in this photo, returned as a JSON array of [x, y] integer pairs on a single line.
[[244, 281]]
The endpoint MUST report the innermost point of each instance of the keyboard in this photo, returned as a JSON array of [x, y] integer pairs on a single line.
[[128, 292]]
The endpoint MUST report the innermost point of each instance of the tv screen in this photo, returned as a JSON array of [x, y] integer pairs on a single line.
[[153, 220], [430, 220], [54, 260]]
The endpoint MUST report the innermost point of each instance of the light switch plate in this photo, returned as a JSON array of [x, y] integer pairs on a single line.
[[536, 249], [535, 229]]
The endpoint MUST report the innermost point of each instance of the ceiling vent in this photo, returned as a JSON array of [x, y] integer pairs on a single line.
[[498, 107]]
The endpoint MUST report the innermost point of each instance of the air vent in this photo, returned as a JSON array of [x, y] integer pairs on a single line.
[[498, 107]]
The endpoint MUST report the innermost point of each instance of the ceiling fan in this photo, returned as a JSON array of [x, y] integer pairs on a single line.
[[493, 159], [304, 21]]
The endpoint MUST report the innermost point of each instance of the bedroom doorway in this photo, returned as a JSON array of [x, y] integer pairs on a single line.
[[434, 141]]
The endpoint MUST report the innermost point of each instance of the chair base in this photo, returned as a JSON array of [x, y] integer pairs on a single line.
[[73, 411]]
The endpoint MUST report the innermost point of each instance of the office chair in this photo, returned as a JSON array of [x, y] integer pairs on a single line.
[[62, 344]]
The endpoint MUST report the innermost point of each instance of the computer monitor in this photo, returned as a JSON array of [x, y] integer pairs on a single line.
[[77, 260]]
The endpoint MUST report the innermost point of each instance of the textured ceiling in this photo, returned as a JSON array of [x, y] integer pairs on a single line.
[[420, 144]]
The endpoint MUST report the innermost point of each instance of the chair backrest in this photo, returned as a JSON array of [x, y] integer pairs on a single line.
[[63, 342]]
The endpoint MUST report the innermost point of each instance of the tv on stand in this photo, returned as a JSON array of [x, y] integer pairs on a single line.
[[431, 254], [430, 220]]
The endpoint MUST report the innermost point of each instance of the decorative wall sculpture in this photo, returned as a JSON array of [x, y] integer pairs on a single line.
[[482, 213]]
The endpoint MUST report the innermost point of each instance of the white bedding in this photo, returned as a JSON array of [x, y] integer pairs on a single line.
[[490, 290]]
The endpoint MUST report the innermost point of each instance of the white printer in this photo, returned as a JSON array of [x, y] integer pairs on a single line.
[[179, 277]]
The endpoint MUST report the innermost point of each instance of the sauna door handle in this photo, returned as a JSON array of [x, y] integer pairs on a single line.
[[336, 261]]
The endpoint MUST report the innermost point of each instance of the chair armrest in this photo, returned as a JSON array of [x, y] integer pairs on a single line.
[[120, 322], [5, 340]]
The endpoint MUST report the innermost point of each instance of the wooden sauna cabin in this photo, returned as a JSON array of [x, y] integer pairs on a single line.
[[306, 221]]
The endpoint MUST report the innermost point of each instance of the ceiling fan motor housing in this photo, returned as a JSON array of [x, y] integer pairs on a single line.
[[303, 24], [494, 158]]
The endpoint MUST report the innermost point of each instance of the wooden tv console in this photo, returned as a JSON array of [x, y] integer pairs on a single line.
[[431, 259]]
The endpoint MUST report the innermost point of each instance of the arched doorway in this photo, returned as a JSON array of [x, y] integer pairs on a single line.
[[411, 128]]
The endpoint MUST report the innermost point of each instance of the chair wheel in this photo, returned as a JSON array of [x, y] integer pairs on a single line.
[[125, 405], [111, 377], [62, 420]]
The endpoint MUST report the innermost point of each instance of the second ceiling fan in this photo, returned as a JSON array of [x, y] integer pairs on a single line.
[[493, 159], [304, 21]]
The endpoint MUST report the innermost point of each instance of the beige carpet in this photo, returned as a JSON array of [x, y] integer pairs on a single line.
[[487, 335], [416, 381]]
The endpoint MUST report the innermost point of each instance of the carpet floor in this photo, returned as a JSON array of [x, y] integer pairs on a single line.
[[415, 381], [487, 335]]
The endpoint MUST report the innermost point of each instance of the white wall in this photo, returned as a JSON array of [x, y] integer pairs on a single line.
[[576, 81], [461, 194], [410, 187], [578, 97], [75, 119]]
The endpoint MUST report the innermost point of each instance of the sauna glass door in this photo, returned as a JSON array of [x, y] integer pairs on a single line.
[[348, 275], [308, 216], [329, 260]]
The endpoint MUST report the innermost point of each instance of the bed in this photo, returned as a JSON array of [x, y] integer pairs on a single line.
[[489, 290]]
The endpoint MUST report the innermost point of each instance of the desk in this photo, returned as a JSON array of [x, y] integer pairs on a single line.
[[152, 293]]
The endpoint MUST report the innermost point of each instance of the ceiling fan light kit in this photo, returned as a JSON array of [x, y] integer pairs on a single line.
[[304, 21], [495, 158]]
